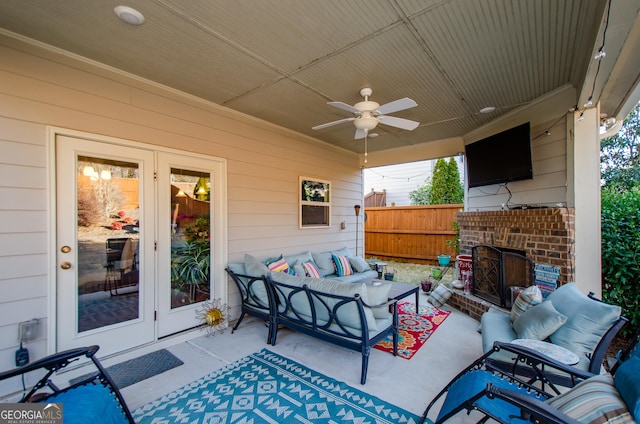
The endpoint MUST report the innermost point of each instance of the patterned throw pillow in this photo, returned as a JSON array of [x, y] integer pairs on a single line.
[[527, 299], [342, 266], [594, 400], [278, 265], [439, 296], [311, 270]]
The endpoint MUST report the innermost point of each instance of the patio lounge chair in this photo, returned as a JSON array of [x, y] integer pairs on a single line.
[[93, 399], [508, 399]]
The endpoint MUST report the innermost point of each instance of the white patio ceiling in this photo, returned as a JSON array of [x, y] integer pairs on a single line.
[[282, 60]]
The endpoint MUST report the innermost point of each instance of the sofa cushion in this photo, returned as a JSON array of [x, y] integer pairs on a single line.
[[298, 269], [237, 268], [377, 293], [348, 314], [627, 381], [342, 265], [311, 270], [539, 322], [594, 400], [357, 277], [254, 267], [358, 264], [342, 252], [324, 262], [302, 257], [527, 299], [587, 322]]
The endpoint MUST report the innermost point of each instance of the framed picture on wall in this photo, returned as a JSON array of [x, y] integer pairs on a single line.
[[315, 203]]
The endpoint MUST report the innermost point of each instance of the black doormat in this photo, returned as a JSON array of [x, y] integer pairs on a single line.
[[138, 369]]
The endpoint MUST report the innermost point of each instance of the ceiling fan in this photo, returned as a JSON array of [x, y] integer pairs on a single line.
[[368, 114]]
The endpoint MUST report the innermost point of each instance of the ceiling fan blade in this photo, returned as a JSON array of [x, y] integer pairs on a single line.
[[395, 106], [344, 106], [360, 133], [331, 124], [392, 121]]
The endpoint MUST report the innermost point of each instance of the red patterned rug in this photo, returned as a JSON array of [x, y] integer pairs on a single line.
[[413, 329]]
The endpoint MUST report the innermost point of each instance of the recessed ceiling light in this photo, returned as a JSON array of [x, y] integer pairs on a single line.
[[487, 109], [129, 15]]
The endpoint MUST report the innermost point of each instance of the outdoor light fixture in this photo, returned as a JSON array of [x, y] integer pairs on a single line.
[[181, 193], [357, 209]]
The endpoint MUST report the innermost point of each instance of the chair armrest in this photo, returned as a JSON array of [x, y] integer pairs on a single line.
[[534, 357], [531, 409], [52, 362]]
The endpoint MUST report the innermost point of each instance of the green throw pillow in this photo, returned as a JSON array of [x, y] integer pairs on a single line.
[[539, 322]]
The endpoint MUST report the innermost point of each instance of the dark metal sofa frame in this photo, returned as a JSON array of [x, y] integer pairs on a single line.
[[333, 330]]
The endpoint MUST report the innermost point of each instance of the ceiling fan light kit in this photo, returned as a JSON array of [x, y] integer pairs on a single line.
[[368, 114]]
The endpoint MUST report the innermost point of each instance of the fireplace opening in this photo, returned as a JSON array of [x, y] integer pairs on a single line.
[[496, 270]]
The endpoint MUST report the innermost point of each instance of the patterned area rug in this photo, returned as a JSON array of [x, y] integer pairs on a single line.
[[267, 388], [413, 329]]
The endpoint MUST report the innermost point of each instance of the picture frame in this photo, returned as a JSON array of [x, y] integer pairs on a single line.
[[314, 203]]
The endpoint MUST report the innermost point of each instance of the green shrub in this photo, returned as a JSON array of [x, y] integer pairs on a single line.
[[621, 252]]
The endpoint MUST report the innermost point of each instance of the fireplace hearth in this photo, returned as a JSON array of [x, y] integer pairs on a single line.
[[496, 270]]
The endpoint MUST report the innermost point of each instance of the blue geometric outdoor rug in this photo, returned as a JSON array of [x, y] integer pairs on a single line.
[[267, 388]]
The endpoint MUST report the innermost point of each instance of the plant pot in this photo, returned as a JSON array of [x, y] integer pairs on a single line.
[[425, 286], [436, 272], [443, 260], [388, 276]]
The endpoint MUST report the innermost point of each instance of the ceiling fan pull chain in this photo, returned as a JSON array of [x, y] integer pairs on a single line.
[[365, 145]]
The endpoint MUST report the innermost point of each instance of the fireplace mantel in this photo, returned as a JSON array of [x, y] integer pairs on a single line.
[[545, 235]]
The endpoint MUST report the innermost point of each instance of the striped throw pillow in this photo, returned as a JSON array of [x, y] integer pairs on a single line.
[[311, 270], [527, 299], [279, 265], [594, 400], [342, 266]]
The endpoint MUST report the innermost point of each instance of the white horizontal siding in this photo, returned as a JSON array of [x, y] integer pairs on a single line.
[[264, 162], [549, 184]]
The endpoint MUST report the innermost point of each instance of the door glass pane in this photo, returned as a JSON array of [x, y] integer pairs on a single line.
[[108, 238], [190, 237]]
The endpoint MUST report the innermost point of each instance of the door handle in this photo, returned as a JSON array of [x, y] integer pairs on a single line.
[[65, 265]]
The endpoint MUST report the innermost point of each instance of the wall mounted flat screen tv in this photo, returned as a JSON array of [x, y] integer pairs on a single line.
[[500, 158]]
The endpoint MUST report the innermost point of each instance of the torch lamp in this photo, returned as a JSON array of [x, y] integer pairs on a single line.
[[357, 209]]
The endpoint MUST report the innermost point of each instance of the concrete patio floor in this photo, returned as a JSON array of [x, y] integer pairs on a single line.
[[409, 384]]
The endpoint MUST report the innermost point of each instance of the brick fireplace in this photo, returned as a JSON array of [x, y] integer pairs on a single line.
[[545, 236]]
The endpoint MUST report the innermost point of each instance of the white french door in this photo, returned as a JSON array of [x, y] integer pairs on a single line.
[[105, 256], [140, 242]]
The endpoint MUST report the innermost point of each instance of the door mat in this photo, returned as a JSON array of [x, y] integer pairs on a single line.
[[413, 328], [268, 388], [135, 370]]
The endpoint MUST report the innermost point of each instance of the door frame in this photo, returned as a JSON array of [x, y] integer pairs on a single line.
[[218, 222]]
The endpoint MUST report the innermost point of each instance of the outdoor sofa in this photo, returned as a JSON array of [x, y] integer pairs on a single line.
[[347, 310]]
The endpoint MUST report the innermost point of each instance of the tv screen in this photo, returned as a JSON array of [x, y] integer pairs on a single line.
[[500, 158]]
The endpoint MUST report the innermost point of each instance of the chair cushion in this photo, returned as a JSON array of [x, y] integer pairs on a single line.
[[594, 400], [527, 299], [439, 296], [89, 403], [539, 322], [627, 381], [358, 264], [588, 319], [342, 265], [343, 252]]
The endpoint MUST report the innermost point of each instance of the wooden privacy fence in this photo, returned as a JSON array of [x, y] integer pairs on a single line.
[[410, 233]]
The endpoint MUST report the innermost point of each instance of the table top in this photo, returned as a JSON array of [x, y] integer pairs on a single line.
[[398, 290], [551, 350]]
